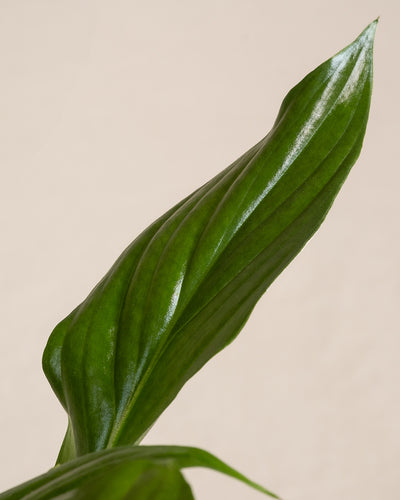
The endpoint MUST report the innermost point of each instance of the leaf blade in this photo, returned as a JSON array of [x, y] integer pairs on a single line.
[[69, 477], [184, 289], [132, 480]]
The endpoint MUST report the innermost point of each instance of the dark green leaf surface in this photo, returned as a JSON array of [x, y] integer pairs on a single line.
[[185, 287], [134, 480], [149, 472]]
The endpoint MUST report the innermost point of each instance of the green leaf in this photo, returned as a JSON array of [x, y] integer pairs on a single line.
[[133, 480], [185, 287], [143, 472]]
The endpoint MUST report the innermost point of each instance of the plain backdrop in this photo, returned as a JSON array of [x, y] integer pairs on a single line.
[[110, 113]]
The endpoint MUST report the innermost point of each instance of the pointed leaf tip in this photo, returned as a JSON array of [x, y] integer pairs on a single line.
[[369, 32]]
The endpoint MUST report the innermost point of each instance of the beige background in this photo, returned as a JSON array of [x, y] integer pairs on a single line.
[[110, 112]]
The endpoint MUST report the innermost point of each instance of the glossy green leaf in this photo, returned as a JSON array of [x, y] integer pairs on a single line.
[[127, 471], [134, 480], [185, 287]]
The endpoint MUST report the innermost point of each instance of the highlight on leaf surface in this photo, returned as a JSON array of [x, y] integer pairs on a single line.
[[125, 473], [185, 287]]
